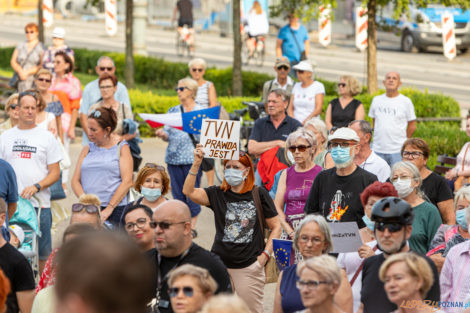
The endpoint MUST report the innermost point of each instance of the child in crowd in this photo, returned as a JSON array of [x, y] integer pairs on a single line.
[[16, 236]]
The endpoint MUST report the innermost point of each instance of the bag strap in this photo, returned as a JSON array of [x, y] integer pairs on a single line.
[[359, 269], [29, 54], [123, 111], [295, 39], [259, 208], [464, 156]]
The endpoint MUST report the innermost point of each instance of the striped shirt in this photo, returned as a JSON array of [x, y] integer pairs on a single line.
[[202, 96]]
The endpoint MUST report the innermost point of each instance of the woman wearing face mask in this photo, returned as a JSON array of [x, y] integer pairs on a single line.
[[448, 236], [238, 240], [153, 183], [407, 181], [352, 262]]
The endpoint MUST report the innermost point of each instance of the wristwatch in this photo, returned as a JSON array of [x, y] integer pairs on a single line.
[[38, 187]]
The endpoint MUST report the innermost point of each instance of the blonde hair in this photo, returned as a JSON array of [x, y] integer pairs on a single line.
[[225, 303], [11, 99], [89, 199], [43, 71], [204, 278], [191, 84], [257, 7], [352, 85], [324, 266], [418, 267], [196, 62]]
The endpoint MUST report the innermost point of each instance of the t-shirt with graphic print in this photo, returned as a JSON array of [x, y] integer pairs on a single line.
[[238, 237], [337, 198]]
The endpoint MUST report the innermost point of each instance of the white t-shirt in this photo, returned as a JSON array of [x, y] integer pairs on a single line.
[[29, 152], [377, 166], [391, 121], [257, 23], [304, 99]]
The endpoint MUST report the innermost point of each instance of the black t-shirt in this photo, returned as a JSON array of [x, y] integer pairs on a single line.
[[238, 237], [435, 187], [19, 272], [196, 256], [264, 129], [342, 117], [185, 8], [373, 294], [337, 198]]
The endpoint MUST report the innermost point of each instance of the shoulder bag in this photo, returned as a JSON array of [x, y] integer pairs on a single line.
[[270, 269], [303, 56], [15, 79]]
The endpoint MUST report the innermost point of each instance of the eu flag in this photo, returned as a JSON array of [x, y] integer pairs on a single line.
[[192, 121], [282, 252]]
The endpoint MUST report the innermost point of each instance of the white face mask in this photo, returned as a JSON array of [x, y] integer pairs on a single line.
[[403, 187]]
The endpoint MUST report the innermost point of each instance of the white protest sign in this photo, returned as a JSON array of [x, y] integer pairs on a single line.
[[346, 237], [220, 139]]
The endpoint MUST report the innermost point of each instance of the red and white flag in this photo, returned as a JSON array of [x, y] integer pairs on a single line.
[[158, 120]]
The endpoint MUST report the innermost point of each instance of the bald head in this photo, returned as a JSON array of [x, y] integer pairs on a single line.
[[175, 208], [392, 82]]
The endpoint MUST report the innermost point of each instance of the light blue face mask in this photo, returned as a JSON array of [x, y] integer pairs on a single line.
[[233, 176], [151, 194], [370, 224], [340, 155], [461, 220]]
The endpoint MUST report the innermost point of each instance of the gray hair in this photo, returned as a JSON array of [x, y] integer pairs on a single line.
[[280, 93], [324, 228], [463, 192], [320, 126], [415, 175], [104, 57], [364, 126], [304, 134], [197, 61], [191, 84], [325, 266]]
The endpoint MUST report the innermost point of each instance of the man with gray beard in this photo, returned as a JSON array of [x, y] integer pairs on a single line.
[[335, 192]]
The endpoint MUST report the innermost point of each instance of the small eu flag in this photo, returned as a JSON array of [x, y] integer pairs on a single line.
[[192, 121], [282, 252]]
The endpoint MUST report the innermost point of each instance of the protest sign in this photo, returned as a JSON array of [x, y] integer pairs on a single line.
[[346, 237], [220, 139]]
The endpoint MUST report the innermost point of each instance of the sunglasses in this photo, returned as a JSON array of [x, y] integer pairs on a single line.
[[301, 148], [163, 225], [153, 165], [44, 80], [181, 89], [283, 67], [106, 87], [187, 291], [300, 71], [200, 70], [13, 106], [106, 68], [392, 227], [341, 85], [89, 208], [140, 223]]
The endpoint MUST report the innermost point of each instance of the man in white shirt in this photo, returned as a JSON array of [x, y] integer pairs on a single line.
[[34, 154], [366, 158], [282, 80], [394, 120]]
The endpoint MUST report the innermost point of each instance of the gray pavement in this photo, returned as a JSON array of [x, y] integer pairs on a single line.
[[153, 150], [429, 71]]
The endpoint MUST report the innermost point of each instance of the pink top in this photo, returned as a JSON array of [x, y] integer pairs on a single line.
[[69, 84]]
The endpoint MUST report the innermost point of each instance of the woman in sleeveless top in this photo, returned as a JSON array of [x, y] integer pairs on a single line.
[[45, 120], [345, 109], [206, 95], [104, 167]]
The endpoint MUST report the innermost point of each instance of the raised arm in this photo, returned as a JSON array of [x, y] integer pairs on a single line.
[[197, 195]]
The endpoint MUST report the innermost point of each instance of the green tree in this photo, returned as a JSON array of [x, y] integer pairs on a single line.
[[308, 9]]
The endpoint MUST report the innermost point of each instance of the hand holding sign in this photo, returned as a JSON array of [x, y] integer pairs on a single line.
[[198, 154], [220, 139]]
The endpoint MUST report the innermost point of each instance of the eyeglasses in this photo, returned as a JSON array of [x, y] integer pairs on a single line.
[[341, 144], [283, 67], [164, 225], [44, 80], [153, 165], [392, 227], [89, 208], [181, 88], [300, 71], [310, 284], [394, 179], [411, 154], [341, 85], [106, 68], [200, 70], [140, 223], [305, 239], [106, 87], [187, 291], [301, 148]]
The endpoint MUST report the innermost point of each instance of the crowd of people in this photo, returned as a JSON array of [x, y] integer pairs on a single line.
[[125, 253]]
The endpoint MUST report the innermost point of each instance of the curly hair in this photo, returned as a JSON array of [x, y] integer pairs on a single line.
[[378, 189]]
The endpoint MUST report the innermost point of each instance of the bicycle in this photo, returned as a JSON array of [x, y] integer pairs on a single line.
[[258, 52], [182, 42]]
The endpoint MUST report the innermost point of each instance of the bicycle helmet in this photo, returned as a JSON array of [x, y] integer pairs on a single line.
[[392, 210]]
